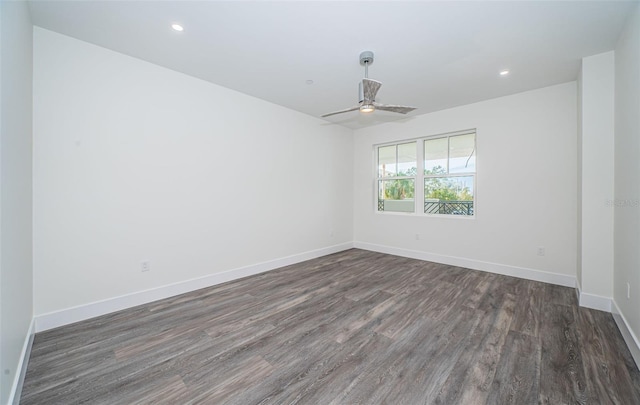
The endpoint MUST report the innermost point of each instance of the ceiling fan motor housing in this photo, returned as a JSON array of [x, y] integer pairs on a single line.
[[366, 58]]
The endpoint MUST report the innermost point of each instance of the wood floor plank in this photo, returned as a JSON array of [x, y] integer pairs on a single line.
[[355, 327], [528, 311], [517, 379], [562, 371], [323, 377], [606, 380], [215, 390], [407, 310], [377, 380], [555, 294], [472, 379], [340, 371], [351, 328], [478, 291], [431, 361]]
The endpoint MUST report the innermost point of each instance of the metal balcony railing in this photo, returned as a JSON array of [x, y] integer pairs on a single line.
[[449, 207], [433, 207]]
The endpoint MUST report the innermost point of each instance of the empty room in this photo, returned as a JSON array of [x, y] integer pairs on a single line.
[[319, 202]]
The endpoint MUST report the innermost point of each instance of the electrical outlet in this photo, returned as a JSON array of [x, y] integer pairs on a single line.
[[417, 236], [628, 291], [145, 266], [540, 250]]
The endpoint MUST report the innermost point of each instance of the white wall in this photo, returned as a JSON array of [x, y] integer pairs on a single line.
[[136, 162], [627, 174], [597, 177], [16, 298], [526, 186]]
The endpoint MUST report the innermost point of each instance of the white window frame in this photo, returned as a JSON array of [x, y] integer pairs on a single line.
[[420, 177], [379, 178]]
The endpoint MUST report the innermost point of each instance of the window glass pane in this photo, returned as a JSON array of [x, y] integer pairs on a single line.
[[396, 195], [387, 161], [449, 195], [462, 153], [435, 156], [407, 159]]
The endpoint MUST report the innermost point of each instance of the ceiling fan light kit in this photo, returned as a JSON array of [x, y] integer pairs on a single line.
[[367, 90], [367, 108]]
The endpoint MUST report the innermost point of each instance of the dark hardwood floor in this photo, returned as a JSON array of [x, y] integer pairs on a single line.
[[351, 328]]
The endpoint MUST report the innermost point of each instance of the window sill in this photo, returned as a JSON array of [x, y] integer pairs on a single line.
[[420, 215]]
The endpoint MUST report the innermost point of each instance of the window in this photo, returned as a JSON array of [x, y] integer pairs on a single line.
[[445, 165], [397, 169], [449, 174]]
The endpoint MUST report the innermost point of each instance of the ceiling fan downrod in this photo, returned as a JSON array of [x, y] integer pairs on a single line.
[[366, 59]]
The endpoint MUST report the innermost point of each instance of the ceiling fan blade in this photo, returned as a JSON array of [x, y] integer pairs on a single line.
[[341, 111], [402, 109], [370, 88]]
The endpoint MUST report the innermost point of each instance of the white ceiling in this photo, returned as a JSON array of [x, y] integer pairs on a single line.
[[430, 55]]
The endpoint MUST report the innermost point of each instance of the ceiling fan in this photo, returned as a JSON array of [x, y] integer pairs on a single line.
[[368, 89]]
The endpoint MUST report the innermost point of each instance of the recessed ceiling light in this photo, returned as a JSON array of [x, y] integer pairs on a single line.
[[504, 72], [177, 27], [309, 81]]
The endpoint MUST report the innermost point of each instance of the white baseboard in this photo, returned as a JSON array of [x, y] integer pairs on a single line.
[[82, 312], [593, 301], [630, 338], [520, 272], [21, 369]]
